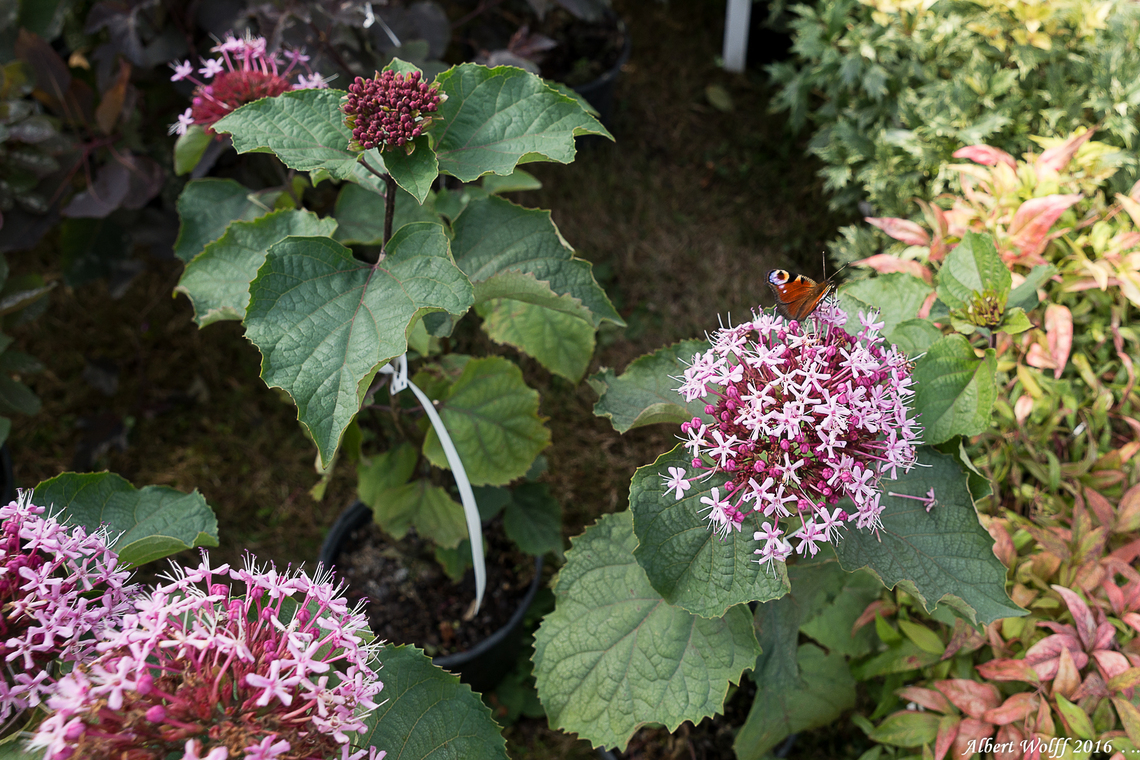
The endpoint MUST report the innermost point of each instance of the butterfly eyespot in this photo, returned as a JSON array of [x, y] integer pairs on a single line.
[[778, 276]]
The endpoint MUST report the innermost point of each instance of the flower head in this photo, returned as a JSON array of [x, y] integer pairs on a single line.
[[221, 663], [389, 110], [802, 416], [242, 73], [58, 589]]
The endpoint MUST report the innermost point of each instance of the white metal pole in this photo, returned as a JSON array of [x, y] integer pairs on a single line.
[[736, 34]]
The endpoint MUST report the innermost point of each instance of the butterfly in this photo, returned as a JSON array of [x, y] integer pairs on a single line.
[[797, 296]]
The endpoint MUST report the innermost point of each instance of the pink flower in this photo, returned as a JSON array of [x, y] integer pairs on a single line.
[[58, 589], [389, 110], [245, 72], [802, 416], [221, 663]]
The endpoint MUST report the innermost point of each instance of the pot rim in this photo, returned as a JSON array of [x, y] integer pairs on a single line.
[[357, 514]]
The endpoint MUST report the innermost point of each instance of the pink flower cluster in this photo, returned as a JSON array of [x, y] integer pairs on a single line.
[[389, 110], [244, 72], [220, 663], [801, 418], [58, 590]]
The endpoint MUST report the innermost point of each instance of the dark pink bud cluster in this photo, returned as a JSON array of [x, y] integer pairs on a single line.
[[389, 110]]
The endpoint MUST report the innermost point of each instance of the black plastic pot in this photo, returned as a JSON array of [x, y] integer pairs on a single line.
[[482, 666], [600, 92]]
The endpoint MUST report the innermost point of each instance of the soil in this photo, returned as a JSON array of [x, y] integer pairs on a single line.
[[711, 739], [412, 601], [582, 51]]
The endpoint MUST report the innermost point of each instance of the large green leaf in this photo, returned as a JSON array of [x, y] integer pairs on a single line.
[[646, 393], [941, 554], [954, 389], [306, 130], [495, 241], [798, 685], [614, 655], [559, 341], [428, 508], [325, 322], [533, 519], [206, 207], [427, 714], [495, 119], [974, 266], [896, 297], [359, 214], [154, 522], [687, 563], [217, 280], [17, 398], [189, 147], [492, 417], [416, 171]]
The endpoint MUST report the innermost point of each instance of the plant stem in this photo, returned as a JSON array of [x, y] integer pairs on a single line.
[[389, 206]]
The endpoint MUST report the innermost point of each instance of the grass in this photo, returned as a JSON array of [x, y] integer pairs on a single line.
[[682, 219]]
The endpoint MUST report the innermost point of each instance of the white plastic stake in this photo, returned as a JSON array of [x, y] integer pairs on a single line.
[[400, 381], [736, 19]]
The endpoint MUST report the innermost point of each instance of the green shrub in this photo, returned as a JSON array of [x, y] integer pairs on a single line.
[[893, 88]]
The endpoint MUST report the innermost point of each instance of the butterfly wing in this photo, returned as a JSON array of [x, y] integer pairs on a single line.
[[796, 296]]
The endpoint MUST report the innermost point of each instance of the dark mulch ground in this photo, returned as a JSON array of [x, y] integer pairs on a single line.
[[682, 218]]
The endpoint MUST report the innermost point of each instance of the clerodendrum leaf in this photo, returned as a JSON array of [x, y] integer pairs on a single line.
[[688, 564], [425, 712], [646, 393], [155, 521], [495, 119], [559, 341], [954, 389], [940, 555], [306, 130], [799, 686], [614, 655], [206, 207], [896, 297], [429, 508], [492, 417], [325, 322], [360, 214], [217, 280], [497, 244], [533, 519], [972, 267]]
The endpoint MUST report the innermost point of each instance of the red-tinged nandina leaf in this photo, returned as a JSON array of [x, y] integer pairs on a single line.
[[947, 733], [928, 698], [1076, 720], [1127, 553], [1022, 407], [1057, 158], [877, 607], [1050, 542], [1038, 356], [1022, 595], [1082, 616], [1068, 679], [1093, 686], [970, 730], [970, 697], [1004, 549], [1044, 722], [1131, 206], [1009, 738], [1110, 664], [1017, 707], [1100, 506], [1123, 682], [1008, 670], [964, 639], [900, 229], [1128, 511], [1042, 656], [986, 155], [1129, 718], [1029, 229], [1114, 593], [935, 217], [1132, 619], [1059, 329], [1105, 635], [885, 263], [927, 305]]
